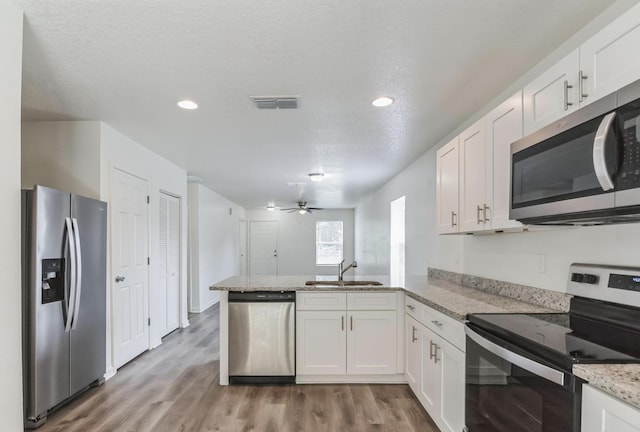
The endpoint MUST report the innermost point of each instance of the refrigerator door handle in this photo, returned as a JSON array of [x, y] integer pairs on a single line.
[[78, 290], [72, 285]]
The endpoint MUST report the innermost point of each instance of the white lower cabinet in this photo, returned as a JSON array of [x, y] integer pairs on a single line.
[[321, 346], [345, 341], [604, 413], [413, 353], [435, 367], [371, 343]]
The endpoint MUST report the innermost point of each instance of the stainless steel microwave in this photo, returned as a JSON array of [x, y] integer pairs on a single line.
[[583, 169]]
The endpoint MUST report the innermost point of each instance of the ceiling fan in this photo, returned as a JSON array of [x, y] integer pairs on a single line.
[[302, 208]]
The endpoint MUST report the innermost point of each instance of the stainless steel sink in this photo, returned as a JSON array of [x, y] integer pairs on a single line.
[[343, 283]]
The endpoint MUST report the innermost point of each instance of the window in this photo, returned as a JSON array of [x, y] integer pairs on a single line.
[[396, 270], [328, 243]]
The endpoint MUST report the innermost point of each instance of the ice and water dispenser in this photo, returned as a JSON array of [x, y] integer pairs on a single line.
[[52, 280]]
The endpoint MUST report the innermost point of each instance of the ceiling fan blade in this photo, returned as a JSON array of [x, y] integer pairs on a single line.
[[290, 209], [314, 208]]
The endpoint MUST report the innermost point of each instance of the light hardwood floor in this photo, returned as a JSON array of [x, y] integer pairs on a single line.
[[175, 388]]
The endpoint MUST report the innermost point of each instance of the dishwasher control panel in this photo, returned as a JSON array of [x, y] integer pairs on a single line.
[[262, 296]]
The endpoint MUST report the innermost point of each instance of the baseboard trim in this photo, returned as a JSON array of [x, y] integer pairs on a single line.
[[110, 373], [351, 379], [205, 307]]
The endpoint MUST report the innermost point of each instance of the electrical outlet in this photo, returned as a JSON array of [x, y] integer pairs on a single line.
[[542, 263]]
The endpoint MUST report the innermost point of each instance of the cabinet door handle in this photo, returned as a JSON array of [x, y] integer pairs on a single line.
[[486, 207], [342, 319], [351, 322], [567, 104], [581, 79], [453, 216], [478, 210], [435, 354], [413, 334], [438, 323]]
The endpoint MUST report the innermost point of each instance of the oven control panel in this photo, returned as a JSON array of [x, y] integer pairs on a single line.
[[608, 283]]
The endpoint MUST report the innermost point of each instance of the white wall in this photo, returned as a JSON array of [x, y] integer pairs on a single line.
[[509, 257], [214, 247], [121, 152], [10, 316], [297, 239], [423, 247], [62, 154], [79, 156]]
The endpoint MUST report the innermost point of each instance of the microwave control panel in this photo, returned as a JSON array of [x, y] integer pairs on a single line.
[[629, 175]]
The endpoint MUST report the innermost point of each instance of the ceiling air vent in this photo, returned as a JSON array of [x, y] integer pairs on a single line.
[[192, 178], [274, 102]]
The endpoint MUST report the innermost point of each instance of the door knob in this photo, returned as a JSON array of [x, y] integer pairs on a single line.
[[119, 278]]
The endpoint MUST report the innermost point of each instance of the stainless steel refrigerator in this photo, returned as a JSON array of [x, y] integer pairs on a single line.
[[64, 297]]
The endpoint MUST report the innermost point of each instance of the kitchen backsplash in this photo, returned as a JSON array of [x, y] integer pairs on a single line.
[[538, 296]]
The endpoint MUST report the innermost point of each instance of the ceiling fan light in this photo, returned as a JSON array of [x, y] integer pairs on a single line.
[[302, 211], [316, 177], [271, 207]]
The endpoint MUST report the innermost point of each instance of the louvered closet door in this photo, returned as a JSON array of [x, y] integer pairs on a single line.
[[168, 284]]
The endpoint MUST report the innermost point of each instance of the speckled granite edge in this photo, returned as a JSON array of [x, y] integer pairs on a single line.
[[538, 296], [619, 380]]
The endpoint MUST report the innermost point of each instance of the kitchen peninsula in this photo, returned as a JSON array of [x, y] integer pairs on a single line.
[[441, 294]]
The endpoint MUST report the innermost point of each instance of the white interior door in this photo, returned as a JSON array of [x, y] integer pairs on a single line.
[[168, 290], [243, 247], [263, 247], [130, 270]]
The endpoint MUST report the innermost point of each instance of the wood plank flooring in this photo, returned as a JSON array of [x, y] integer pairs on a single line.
[[175, 388]]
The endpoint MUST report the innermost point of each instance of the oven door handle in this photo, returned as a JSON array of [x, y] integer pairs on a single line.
[[599, 147], [543, 371]]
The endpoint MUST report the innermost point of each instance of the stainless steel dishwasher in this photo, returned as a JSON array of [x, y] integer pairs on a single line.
[[262, 337]]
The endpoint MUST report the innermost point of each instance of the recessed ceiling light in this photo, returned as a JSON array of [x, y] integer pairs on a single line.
[[382, 101], [316, 177], [187, 104]]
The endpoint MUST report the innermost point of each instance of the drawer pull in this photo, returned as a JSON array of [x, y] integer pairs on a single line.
[[411, 307], [437, 323]]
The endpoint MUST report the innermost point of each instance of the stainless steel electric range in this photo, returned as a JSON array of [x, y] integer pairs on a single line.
[[519, 366]]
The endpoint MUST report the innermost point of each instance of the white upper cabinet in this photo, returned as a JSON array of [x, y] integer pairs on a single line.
[[473, 203], [447, 184], [553, 94], [610, 60], [503, 126]]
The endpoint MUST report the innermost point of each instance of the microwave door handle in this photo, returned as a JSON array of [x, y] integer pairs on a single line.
[[599, 147], [543, 371]]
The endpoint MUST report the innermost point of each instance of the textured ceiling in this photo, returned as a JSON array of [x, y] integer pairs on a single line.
[[128, 62]]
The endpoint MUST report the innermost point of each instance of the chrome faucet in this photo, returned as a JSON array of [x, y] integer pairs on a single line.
[[341, 272]]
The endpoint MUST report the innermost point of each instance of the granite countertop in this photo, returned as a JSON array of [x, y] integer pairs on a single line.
[[619, 380], [458, 302], [447, 297]]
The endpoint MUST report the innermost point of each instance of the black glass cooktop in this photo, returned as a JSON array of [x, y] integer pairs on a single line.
[[593, 332]]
